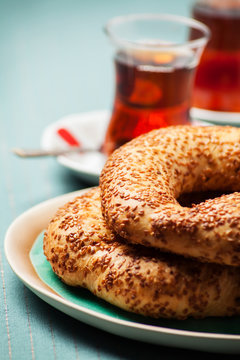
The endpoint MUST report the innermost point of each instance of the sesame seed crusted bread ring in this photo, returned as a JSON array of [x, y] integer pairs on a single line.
[[142, 180], [84, 252]]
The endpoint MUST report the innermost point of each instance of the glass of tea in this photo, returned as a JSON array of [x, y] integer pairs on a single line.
[[155, 63], [217, 83]]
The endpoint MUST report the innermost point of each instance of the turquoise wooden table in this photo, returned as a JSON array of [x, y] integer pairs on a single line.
[[55, 60]]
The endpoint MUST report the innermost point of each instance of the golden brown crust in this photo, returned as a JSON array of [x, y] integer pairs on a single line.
[[141, 182], [84, 252]]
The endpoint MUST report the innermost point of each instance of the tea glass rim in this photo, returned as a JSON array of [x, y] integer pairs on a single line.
[[188, 21]]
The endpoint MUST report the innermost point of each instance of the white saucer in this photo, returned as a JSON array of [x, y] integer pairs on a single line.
[[216, 117], [214, 335], [89, 129]]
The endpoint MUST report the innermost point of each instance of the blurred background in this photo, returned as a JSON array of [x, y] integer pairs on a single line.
[[55, 60]]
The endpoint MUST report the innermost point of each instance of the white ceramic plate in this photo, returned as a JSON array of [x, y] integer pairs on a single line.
[[19, 240], [89, 129]]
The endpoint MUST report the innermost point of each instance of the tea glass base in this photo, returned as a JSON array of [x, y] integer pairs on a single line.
[[216, 117]]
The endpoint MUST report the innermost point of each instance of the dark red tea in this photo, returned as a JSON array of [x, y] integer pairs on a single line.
[[152, 91], [217, 82]]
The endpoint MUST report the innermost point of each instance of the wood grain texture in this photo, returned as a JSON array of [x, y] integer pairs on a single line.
[[49, 70]]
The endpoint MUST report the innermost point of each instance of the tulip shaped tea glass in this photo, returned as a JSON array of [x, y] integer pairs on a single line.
[[216, 93], [155, 63]]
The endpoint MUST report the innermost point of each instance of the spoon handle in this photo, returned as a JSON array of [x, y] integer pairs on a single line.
[[25, 153]]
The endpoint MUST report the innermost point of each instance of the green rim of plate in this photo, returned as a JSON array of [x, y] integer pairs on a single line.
[[87, 300]]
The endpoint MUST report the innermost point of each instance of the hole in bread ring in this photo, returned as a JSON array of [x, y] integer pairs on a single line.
[[142, 180]]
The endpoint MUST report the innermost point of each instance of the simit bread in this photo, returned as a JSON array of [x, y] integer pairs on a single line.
[[83, 251]]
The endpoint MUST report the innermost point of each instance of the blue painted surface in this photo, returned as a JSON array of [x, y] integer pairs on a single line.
[[55, 60]]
